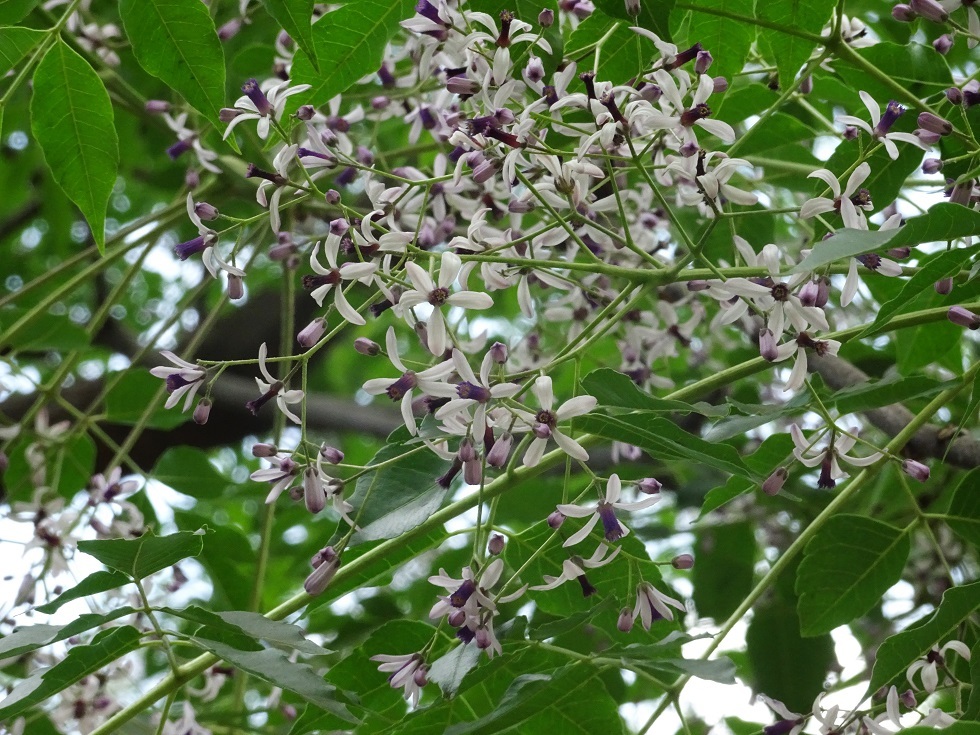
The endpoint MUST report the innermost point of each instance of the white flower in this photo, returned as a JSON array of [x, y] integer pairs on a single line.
[[502, 40], [892, 714], [430, 381], [827, 458], [261, 105], [189, 138], [272, 388], [426, 291], [574, 568], [183, 382], [794, 719], [685, 118], [282, 474], [408, 673], [281, 164], [928, 667], [186, 725], [798, 346], [843, 201], [544, 423], [475, 392], [605, 510], [652, 605], [881, 125], [872, 261], [333, 277]]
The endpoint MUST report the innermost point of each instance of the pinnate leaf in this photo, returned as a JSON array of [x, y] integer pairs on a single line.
[[146, 555], [72, 120]]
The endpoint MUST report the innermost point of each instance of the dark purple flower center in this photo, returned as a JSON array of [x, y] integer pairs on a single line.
[[178, 149], [893, 111], [684, 56], [698, 112], [826, 481], [870, 260], [438, 296], [397, 390], [175, 381], [461, 595], [185, 250], [273, 391], [610, 523], [474, 392], [817, 345], [547, 418], [311, 282], [254, 93], [780, 728], [506, 18], [862, 198], [780, 292], [587, 589]]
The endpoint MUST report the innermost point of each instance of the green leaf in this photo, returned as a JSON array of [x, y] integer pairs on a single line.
[[963, 515], [350, 41], [654, 16], [787, 52], [448, 671], [400, 495], [943, 221], [946, 264], [252, 625], [43, 332], [296, 18], [175, 41], [92, 584], [897, 653], [719, 496], [728, 40], [725, 567], [785, 665], [106, 647], [663, 659], [189, 471], [612, 388], [30, 638], [71, 117], [127, 400], [12, 11], [884, 392], [972, 711], [146, 555], [274, 666], [15, 44], [664, 439], [915, 66], [847, 567], [623, 55]]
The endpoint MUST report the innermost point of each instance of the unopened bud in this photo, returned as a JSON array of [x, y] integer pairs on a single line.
[[900, 253], [806, 86], [649, 486], [943, 44], [703, 62], [500, 451], [236, 287], [331, 454], [229, 29], [767, 345], [943, 286], [546, 18], [157, 106], [625, 621], [963, 317], [954, 95], [698, 285], [556, 519], [332, 196], [903, 13], [264, 450], [774, 483], [312, 332], [496, 544], [306, 112], [850, 132], [366, 346], [915, 470], [932, 166], [421, 676], [324, 572], [316, 499], [908, 699], [498, 353], [227, 114], [720, 85], [682, 561], [206, 211], [934, 123], [930, 10], [202, 411], [927, 137]]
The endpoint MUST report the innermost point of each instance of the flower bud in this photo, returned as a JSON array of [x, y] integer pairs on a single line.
[[555, 519], [192, 179], [927, 136], [546, 18], [774, 483], [915, 470], [332, 196], [312, 332], [206, 211], [498, 353], [930, 10], [806, 86], [324, 572], [227, 114], [534, 71], [496, 544], [682, 561], [963, 317], [934, 123], [264, 450], [305, 112], [202, 411], [720, 85], [236, 287], [954, 96], [625, 621], [421, 676], [229, 29], [900, 253], [500, 451], [932, 166], [456, 618], [903, 13], [632, 8], [698, 285], [850, 132], [366, 346], [472, 472], [649, 486], [908, 699], [703, 62], [767, 345], [944, 286], [331, 454], [157, 106], [943, 44], [313, 495], [808, 295], [467, 451]]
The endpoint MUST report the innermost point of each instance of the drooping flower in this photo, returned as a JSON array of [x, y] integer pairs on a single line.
[[798, 346], [652, 605], [574, 568], [791, 723], [262, 104], [273, 388], [827, 458], [334, 276], [182, 382], [408, 672], [881, 125], [605, 510], [928, 667], [849, 203]]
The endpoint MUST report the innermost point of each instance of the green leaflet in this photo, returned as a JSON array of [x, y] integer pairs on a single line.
[[146, 555], [296, 18], [175, 41], [72, 120]]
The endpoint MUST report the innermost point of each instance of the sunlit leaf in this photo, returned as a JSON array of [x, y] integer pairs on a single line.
[[141, 557]]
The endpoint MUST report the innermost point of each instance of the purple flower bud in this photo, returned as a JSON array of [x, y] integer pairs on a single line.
[[932, 166], [963, 317], [178, 149], [331, 454], [698, 285], [915, 470], [633, 9], [264, 450], [682, 561], [555, 519], [649, 486], [282, 251], [903, 13], [157, 106], [546, 18], [930, 10], [192, 179], [774, 483], [690, 149], [498, 353], [324, 572], [703, 62], [4, 462], [496, 544], [954, 95], [808, 295], [305, 112], [850, 132], [889, 117], [463, 86], [720, 85], [943, 44], [806, 86], [519, 206], [366, 346], [229, 29], [253, 92], [767, 345], [934, 123], [421, 676], [236, 287], [313, 494], [227, 114], [467, 451], [202, 411], [927, 136], [498, 454], [971, 93], [908, 699], [206, 211], [484, 171], [944, 286], [380, 102], [625, 621], [312, 332], [899, 253]]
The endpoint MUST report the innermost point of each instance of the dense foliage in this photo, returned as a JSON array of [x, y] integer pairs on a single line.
[[480, 366]]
